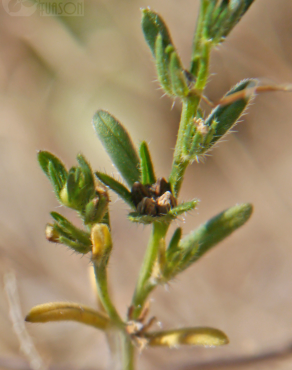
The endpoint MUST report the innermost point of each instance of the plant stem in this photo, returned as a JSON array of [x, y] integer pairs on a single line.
[[204, 65], [122, 350], [102, 289], [196, 52], [179, 165], [143, 287], [189, 111], [128, 353]]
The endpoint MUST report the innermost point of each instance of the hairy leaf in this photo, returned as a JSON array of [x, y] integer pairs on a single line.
[[119, 146]]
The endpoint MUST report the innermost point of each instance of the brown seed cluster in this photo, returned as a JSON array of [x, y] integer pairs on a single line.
[[155, 199]]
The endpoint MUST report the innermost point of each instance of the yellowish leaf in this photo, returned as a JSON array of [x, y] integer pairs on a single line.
[[201, 336], [63, 311]]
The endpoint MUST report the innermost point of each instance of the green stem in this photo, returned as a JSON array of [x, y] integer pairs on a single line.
[[143, 287], [204, 65], [177, 174], [196, 52], [189, 111], [128, 360], [179, 165], [102, 289], [122, 350]]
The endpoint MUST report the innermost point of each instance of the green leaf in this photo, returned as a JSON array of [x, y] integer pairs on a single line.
[[106, 219], [80, 187], [214, 17], [119, 146], [200, 336], [170, 72], [173, 244], [148, 175], [88, 179], [171, 215], [152, 25], [117, 187], [220, 19], [196, 57], [248, 3], [183, 207], [45, 158], [96, 209], [54, 170], [57, 234], [179, 81], [232, 19], [173, 257], [72, 184], [162, 60], [227, 115], [67, 229], [55, 179], [198, 242], [75, 245]]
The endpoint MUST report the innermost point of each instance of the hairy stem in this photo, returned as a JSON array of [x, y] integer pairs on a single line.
[[179, 165], [189, 112], [196, 52], [204, 65]]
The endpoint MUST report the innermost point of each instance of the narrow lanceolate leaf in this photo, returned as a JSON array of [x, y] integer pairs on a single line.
[[63, 311], [63, 232], [76, 246], [162, 61], [221, 18], [207, 337], [148, 175], [55, 179], [198, 242], [54, 169], [179, 83], [88, 179], [173, 244], [247, 3], [226, 115], [119, 146], [183, 207], [173, 256], [171, 215], [117, 187], [227, 19], [71, 231], [152, 25], [69, 191], [96, 209]]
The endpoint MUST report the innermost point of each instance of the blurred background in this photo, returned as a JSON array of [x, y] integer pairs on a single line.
[[55, 72]]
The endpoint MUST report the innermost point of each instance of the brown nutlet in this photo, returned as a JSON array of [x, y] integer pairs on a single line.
[[155, 199]]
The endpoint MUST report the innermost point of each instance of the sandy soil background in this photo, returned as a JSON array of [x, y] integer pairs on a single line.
[[54, 74]]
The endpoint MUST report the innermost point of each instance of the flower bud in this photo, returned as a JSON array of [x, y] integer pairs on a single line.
[[101, 243], [97, 207], [51, 234]]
